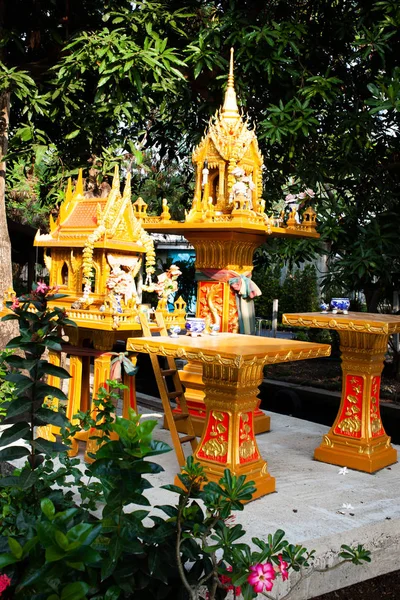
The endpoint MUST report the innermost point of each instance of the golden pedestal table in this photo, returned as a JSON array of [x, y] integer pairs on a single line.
[[357, 438], [232, 372]]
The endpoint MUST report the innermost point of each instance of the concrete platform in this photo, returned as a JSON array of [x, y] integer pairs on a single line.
[[308, 505]]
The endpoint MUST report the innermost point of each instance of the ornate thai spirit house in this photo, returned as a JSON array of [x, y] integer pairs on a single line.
[[94, 253], [226, 223]]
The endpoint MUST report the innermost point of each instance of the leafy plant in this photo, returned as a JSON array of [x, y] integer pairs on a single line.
[[7, 388], [71, 535]]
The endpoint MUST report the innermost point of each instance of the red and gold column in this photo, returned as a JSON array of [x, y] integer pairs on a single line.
[[48, 432], [218, 250], [102, 368], [228, 440], [357, 438]]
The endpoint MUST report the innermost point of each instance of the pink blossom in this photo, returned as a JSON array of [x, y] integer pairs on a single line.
[[310, 192], [301, 196], [227, 581], [15, 304], [230, 521], [290, 198], [283, 568], [42, 288], [261, 577], [5, 581]]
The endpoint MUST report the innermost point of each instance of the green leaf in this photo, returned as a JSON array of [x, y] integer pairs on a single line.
[[73, 134], [84, 533], [48, 447], [18, 407], [43, 390], [113, 593], [61, 540], [48, 508], [54, 553], [15, 432], [21, 382], [27, 478], [75, 591], [13, 452], [15, 547], [49, 369], [7, 559], [45, 416]]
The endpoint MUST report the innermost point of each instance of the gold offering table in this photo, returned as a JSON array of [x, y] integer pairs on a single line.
[[232, 372], [357, 438]]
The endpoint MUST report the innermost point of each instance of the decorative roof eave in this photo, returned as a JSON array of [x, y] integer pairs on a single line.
[[47, 241]]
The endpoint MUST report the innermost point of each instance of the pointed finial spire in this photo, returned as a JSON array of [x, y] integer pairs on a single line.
[[230, 108], [128, 190], [79, 184], [68, 193], [115, 181]]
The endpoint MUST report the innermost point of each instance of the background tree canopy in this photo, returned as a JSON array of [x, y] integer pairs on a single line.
[[93, 83]]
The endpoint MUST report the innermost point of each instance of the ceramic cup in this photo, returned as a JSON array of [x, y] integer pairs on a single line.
[[324, 308], [340, 305], [195, 326], [174, 330]]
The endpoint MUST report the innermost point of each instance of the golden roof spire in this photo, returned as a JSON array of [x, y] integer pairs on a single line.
[[79, 184], [230, 108]]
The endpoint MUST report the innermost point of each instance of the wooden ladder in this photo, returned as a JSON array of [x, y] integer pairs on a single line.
[[162, 375]]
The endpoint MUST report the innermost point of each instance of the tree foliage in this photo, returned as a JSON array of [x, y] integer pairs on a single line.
[[110, 79]]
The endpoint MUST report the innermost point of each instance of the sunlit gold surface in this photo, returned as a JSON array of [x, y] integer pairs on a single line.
[[357, 438], [232, 372], [224, 228]]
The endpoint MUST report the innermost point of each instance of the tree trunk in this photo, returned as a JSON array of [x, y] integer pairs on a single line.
[[8, 328], [372, 295]]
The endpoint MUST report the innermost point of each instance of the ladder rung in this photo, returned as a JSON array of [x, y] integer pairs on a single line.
[[167, 372], [187, 438], [174, 394], [181, 416]]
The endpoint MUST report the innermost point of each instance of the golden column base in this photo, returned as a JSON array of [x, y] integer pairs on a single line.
[[228, 440], [192, 378], [357, 438]]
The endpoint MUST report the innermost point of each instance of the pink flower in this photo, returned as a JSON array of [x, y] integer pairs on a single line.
[[283, 568], [290, 198], [227, 582], [15, 304], [5, 581], [301, 196], [42, 288], [261, 577], [310, 192], [230, 521]]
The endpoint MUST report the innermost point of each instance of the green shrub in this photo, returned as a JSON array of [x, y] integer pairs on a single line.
[[298, 292]]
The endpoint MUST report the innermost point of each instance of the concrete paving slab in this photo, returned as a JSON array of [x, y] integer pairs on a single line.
[[308, 504]]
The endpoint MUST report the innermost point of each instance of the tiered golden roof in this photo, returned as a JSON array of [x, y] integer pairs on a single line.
[[94, 252], [228, 182], [80, 216]]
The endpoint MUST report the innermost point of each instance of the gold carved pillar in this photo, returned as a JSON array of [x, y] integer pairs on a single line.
[[228, 439], [74, 395], [102, 368], [218, 250], [48, 432], [357, 438]]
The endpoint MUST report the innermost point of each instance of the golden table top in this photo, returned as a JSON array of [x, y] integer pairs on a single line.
[[229, 348], [377, 324]]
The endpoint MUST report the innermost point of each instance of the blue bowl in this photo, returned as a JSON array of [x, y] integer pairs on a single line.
[[195, 325], [340, 304]]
